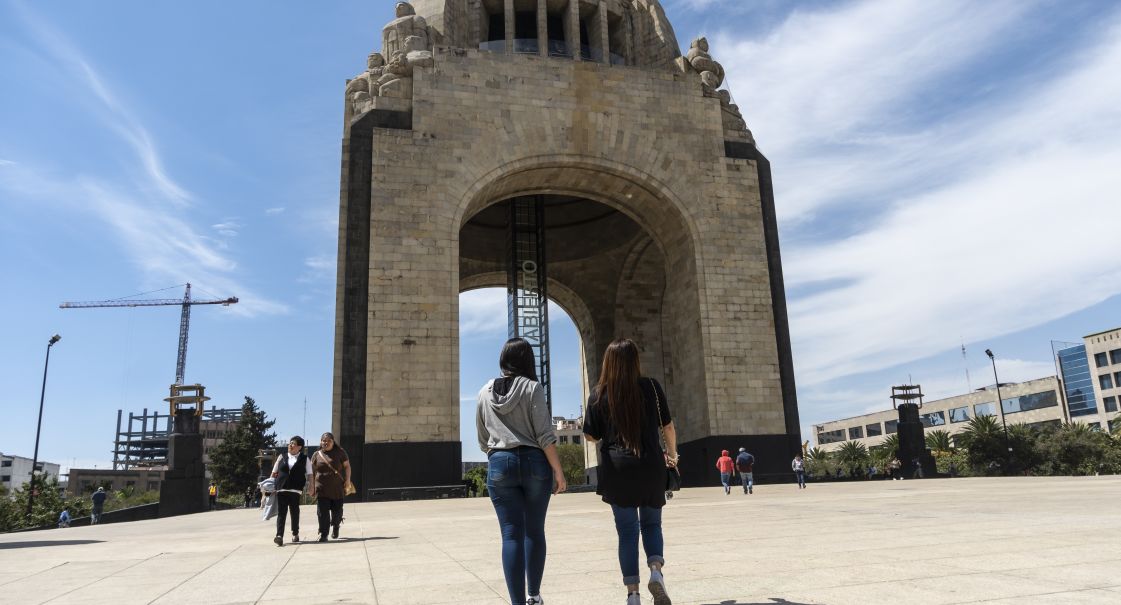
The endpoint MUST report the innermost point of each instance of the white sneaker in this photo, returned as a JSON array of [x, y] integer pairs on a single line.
[[634, 599], [657, 586], [535, 600]]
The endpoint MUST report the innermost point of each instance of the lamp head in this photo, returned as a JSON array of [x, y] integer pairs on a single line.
[[54, 339], [989, 352]]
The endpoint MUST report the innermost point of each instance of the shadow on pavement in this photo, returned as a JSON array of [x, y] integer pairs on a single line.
[[38, 543], [771, 601], [345, 539]]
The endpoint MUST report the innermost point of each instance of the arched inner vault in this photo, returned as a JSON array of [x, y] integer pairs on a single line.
[[611, 246]]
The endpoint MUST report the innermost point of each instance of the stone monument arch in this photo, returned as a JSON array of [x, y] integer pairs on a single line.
[[656, 223]]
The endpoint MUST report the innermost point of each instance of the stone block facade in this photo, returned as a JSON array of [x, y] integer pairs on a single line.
[[690, 268]]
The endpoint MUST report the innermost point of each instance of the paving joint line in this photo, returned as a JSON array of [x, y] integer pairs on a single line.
[[278, 574], [138, 562], [36, 573], [369, 564], [199, 573]]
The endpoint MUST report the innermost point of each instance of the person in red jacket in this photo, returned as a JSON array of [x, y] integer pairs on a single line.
[[726, 466]]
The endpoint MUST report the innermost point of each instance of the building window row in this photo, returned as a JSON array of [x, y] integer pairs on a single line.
[[960, 414], [1110, 403], [1033, 401], [933, 419], [565, 31], [836, 436], [856, 432], [874, 430], [1105, 381]]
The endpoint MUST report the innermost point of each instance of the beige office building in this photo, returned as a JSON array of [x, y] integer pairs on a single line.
[[1035, 402], [1103, 355], [1086, 389]]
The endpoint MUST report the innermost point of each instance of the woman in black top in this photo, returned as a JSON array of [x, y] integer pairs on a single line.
[[624, 415], [291, 472]]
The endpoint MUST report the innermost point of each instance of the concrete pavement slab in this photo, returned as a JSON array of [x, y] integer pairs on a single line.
[[1000, 540]]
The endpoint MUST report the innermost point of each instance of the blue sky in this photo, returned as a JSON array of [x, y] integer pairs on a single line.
[[945, 173]]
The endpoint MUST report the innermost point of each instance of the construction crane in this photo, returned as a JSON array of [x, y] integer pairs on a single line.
[[184, 320]]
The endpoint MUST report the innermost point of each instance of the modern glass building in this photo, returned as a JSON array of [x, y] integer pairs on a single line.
[[1078, 384]]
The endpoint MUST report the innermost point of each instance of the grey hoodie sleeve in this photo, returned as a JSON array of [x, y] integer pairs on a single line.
[[481, 431], [539, 414]]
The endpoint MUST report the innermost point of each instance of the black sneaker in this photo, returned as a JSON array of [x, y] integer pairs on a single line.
[[335, 532], [279, 541], [322, 537], [295, 538]]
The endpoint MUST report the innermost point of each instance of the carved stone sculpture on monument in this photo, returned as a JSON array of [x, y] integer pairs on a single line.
[[712, 73], [364, 85], [405, 46]]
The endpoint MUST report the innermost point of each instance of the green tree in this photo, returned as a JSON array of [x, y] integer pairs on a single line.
[[48, 503], [1074, 449], [983, 439], [572, 462], [853, 457], [939, 441], [479, 476], [890, 445], [233, 462], [819, 463]]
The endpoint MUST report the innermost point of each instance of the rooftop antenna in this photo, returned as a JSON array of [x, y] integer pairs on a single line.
[[965, 362], [305, 418]]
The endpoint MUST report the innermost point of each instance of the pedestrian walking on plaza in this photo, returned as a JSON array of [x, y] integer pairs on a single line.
[[331, 469], [625, 414], [523, 468], [212, 493], [799, 468], [249, 495], [98, 498], [292, 472], [745, 462], [896, 469], [726, 467], [64, 519]]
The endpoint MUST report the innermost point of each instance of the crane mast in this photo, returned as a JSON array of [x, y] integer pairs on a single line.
[[184, 319]]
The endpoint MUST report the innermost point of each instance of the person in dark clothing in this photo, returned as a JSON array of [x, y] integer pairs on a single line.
[[292, 472], [331, 468], [98, 498], [745, 464], [627, 417]]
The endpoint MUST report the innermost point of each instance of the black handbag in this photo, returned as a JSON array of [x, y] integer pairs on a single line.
[[673, 476]]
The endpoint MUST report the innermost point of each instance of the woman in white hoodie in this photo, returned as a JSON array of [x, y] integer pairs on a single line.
[[523, 468]]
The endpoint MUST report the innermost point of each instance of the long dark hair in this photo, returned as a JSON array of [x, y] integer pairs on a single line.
[[618, 385], [516, 359]]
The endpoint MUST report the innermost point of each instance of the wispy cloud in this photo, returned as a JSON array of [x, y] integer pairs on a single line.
[[227, 228], [69, 59], [937, 221], [273, 211], [4, 162], [146, 215], [482, 312], [321, 264]]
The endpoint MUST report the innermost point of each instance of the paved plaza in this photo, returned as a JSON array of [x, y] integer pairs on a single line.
[[1017, 540]]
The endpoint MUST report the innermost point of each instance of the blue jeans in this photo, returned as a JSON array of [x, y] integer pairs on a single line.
[[520, 482], [801, 475], [726, 480], [629, 522], [747, 479]]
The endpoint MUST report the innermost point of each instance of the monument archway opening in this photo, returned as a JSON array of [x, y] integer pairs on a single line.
[[658, 224]]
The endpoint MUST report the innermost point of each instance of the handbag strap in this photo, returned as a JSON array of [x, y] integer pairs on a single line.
[[326, 460], [658, 408]]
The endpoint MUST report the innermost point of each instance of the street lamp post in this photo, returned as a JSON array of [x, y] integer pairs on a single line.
[[1000, 405], [39, 426]]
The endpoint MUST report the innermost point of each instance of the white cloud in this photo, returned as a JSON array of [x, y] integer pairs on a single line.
[[482, 312], [324, 264], [4, 162], [227, 228], [990, 209], [273, 211]]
